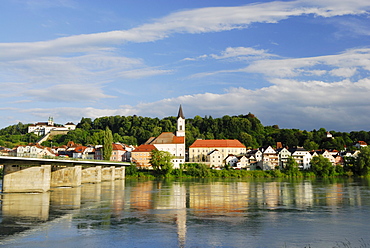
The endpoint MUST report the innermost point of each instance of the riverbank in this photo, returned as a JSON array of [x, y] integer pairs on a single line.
[[202, 171]]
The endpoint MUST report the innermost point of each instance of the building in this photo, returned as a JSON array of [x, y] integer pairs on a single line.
[[118, 152], [326, 154], [32, 151], [174, 143], [43, 128], [283, 155], [237, 162], [213, 152], [141, 155], [302, 157], [254, 156], [270, 159], [360, 144]]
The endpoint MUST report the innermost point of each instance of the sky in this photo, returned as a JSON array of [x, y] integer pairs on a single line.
[[301, 64]]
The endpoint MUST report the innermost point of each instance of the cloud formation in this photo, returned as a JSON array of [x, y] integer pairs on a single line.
[[97, 67]]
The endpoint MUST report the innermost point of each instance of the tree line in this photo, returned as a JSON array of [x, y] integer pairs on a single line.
[[135, 130]]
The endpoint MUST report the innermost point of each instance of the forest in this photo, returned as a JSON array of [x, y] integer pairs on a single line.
[[135, 130]]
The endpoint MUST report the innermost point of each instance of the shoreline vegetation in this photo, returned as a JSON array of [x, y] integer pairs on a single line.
[[202, 171], [320, 167]]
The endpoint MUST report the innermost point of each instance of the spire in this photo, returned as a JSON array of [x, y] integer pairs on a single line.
[[180, 114]]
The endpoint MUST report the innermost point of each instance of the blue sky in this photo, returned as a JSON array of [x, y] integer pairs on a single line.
[[299, 64]]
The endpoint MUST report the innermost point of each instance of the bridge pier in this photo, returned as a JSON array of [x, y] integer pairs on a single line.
[[66, 176], [20, 179], [119, 173], [91, 175], [108, 173]]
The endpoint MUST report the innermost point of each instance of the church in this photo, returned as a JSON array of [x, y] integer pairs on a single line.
[[173, 143], [43, 128]]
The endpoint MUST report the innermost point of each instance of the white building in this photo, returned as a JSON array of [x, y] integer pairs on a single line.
[[173, 143], [43, 128], [283, 155], [270, 159], [302, 157]]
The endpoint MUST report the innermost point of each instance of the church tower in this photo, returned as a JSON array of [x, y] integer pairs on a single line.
[[50, 121], [180, 123]]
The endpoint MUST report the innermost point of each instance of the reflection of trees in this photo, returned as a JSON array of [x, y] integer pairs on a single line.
[[211, 203]]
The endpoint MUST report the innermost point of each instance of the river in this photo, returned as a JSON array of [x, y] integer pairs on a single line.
[[192, 213]]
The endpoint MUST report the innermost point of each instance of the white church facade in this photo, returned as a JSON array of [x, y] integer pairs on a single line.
[[173, 143]]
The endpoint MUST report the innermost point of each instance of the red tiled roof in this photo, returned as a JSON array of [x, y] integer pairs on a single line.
[[144, 148], [217, 143], [118, 147], [167, 138], [80, 149], [178, 140]]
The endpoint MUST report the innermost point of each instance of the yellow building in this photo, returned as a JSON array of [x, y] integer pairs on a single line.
[[213, 152], [141, 155]]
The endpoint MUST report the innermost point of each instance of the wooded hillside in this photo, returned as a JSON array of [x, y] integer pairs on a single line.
[[134, 130]]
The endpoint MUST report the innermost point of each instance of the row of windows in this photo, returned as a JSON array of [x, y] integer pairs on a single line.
[[222, 150]]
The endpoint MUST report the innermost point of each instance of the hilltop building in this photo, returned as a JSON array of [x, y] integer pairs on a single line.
[[43, 128]]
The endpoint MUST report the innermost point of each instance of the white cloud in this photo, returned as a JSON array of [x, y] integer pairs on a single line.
[[343, 72], [345, 65], [42, 77], [68, 93], [242, 52], [314, 102], [76, 68], [203, 20], [288, 103]]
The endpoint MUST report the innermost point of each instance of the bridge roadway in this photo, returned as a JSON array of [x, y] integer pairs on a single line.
[[21, 174]]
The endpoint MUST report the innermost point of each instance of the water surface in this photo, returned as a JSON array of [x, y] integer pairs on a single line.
[[191, 213]]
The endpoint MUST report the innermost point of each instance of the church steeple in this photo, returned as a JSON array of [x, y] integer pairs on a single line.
[[180, 114], [180, 123]]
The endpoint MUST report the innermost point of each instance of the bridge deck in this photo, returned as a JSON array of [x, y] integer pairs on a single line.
[[4, 160]]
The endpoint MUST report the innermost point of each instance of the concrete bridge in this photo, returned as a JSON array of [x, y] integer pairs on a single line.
[[39, 175]]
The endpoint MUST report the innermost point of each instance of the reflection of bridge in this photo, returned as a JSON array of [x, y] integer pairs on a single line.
[[39, 175]]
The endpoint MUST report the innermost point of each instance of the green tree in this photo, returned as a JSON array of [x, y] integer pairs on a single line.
[[322, 166], [291, 167], [85, 124], [247, 140], [97, 137], [362, 163], [161, 162], [310, 145], [107, 144]]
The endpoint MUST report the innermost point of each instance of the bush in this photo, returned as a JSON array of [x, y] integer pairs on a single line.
[[197, 170], [131, 170]]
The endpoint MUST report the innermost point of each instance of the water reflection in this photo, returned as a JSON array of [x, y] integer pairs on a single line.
[[217, 212]]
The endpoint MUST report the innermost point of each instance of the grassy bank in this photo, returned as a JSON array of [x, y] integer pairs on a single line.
[[202, 171]]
